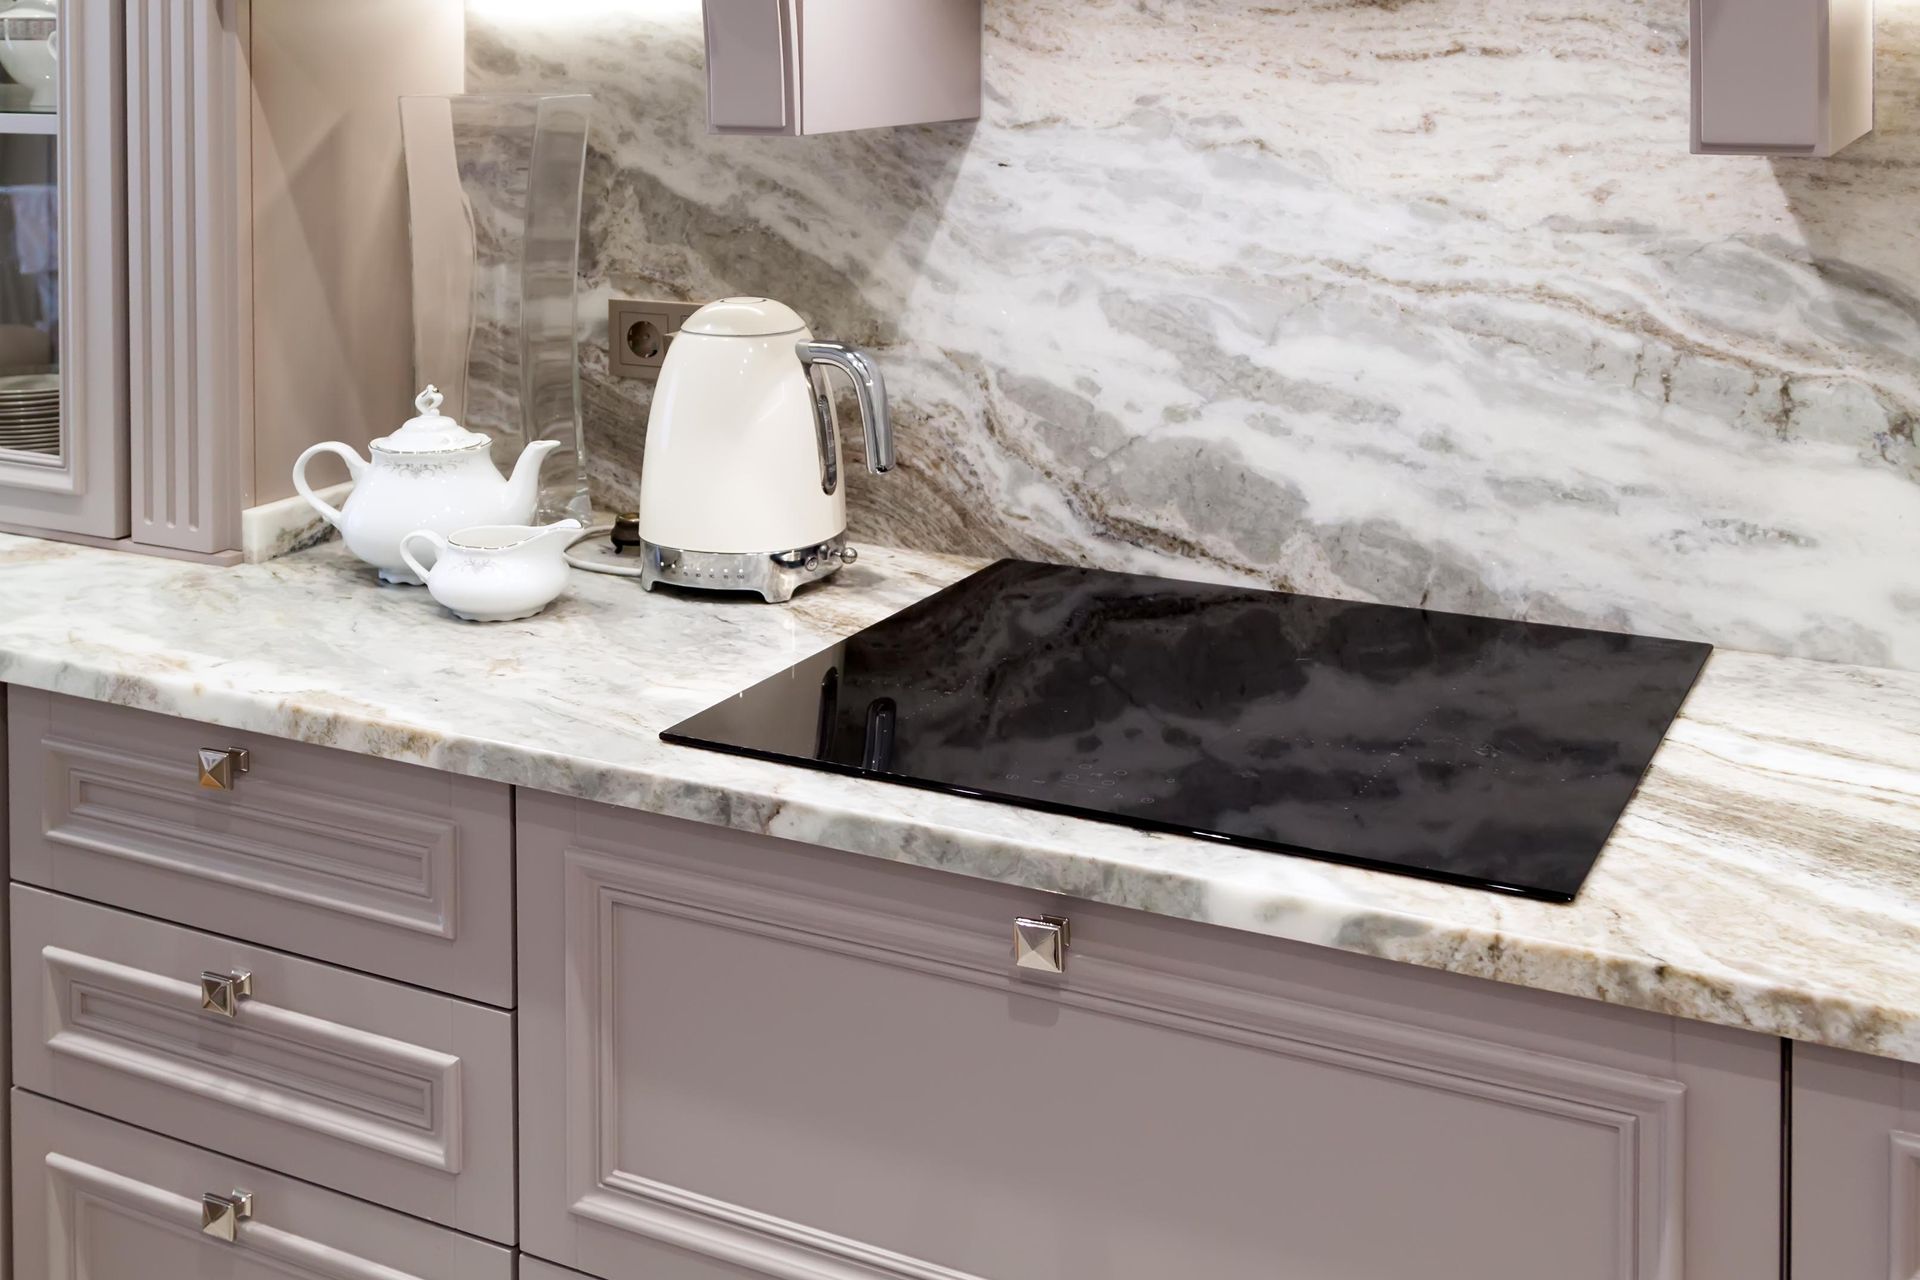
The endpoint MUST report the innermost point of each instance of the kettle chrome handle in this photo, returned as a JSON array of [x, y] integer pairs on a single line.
[[868, 387]]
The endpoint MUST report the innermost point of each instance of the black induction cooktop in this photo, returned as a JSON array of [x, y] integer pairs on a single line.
[[1482, 752]]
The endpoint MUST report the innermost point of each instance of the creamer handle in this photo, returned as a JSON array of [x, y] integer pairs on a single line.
[[406, 551]]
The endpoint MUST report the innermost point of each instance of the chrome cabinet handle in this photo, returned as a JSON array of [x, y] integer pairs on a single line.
[[221, 1216], [219, 765], [1040, 943], [222, 993]]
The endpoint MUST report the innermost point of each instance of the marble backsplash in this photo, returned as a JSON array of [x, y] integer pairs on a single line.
[[1420, 301]]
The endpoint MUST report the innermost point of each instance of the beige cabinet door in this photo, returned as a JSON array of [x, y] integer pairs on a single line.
[[1856, 1166], [99, 1200], [741, 1057]]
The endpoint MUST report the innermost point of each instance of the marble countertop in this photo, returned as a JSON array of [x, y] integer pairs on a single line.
[[1766, 876]]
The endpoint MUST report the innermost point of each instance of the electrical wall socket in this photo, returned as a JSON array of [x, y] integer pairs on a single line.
[[639, 333]]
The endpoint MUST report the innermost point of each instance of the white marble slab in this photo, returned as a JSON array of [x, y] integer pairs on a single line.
[[275, 529], [1767, 876], [1415, 302]]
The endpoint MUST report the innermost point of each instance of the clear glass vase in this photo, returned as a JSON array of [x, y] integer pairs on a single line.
[[494, 189]]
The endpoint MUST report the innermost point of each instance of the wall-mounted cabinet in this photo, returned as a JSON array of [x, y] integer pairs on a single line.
[[1781, 77], [63, 319], [208, 257], [823, 66]]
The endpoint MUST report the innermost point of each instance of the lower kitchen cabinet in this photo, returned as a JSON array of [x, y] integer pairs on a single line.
[[1856, 1166], [6, 1050], [532, 1268], [744, 1058], [99, 1200]]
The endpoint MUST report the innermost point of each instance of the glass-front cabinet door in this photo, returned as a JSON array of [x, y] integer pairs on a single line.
[[63, 436]]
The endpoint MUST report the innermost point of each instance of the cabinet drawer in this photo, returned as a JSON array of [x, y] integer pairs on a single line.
[[531, 1268], [797, 1063], [383, 1091], [391, 868], [106, 1201]]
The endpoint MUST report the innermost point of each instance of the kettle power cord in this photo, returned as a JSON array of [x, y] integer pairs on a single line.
[[605, 561]]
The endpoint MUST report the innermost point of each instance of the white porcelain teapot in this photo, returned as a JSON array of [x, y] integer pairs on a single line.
[[431, 474]]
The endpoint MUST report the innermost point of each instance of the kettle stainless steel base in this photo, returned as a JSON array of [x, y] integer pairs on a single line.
[[775, 575]]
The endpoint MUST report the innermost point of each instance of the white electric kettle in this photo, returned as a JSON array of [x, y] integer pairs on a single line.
[[740, 489]]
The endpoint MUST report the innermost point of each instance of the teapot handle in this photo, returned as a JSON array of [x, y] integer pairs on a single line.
[[406, 551], [356, 467]]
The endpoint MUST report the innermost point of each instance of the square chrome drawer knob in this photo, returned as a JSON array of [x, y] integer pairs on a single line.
[[219, 765], [221, 1216], [222, 993], [1040, 943]]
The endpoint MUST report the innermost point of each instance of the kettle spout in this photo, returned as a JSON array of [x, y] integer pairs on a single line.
[[523, 486]]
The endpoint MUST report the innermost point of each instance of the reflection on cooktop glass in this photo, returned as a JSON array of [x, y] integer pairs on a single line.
[[1496, 754]]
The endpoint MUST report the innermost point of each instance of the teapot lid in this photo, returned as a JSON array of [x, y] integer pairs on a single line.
[[430, 432]]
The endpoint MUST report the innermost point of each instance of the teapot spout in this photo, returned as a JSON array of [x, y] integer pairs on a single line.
[[523, 486]]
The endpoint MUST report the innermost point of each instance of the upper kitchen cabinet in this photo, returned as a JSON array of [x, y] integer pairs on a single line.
[[63, 322], [219, 274], [823, 66], [1781, 77]]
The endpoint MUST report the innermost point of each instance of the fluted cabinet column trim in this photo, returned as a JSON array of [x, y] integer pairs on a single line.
[[190, 257]]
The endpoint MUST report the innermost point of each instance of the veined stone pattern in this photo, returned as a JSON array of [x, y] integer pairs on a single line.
[[1420, 301], [1763, 876]]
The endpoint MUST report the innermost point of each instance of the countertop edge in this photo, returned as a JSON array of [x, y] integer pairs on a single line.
[[1627, 980]]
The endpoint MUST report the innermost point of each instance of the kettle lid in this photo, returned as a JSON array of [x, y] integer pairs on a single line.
[[430, 432], [744, 318]]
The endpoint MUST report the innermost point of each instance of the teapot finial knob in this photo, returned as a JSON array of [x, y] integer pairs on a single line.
[[428, 402]]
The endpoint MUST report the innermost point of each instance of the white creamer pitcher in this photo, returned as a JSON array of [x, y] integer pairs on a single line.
[[494, 573]]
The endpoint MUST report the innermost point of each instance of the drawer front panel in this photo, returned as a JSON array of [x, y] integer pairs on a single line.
[[741, 1053], [99, 1200], [646, 1259], [375, 1089], [649, 1262], [386, 867]]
